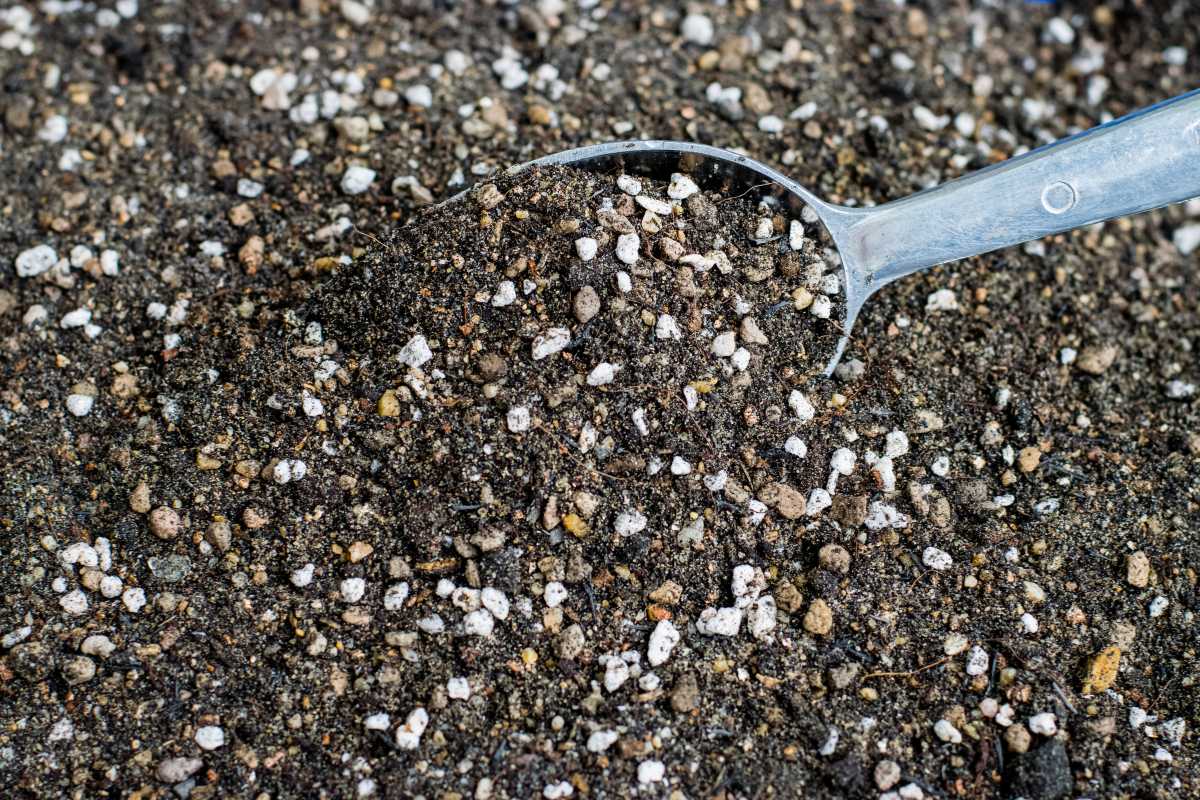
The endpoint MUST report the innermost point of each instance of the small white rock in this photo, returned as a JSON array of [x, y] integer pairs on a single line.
[[616, 672], [942, 300], [415, 352], [937, 559], [1045, 724], [419, 96], [667, 328], [506, 294], [719, 622], [35, 261], [603, 374], [629, 522], [801, 406], [724, 343], [80, 405], [651, 771], [947, 732], [74, 602], [352, 590], [479, 623], [495, 601], [458, 689], [518, 419], [681, 187], [378, 722], [134, 599], [978, 661], [357, 179], [554, 594], [663, 639], [209, 737], [697, 29], [303, 576], [552, 341], [586, 247], [394, 597], [627, 248], [629, 185], [601, 740], [408, 735]]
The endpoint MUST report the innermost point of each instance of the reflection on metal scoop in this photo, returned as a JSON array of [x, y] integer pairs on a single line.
[[1144, 160]]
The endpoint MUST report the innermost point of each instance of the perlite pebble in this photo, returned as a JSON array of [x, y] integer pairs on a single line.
[[651, 771], [719, 621], [479, 623], [419, 95], [681, 187], [663, 639], [627, 248], [518, 419], [394, 597], [942, 300], [818, 500], [415, 352], [936, 559], [303, 576], [586, 248], [74, 602], [601, 740], [947, 732], [603, 374], [35, 261], [554, 594], [1044, 724], [495, 601], [209, 737], [697, 29], [408, 735], [134, 599], [629, 522], [977, 661], [80, 405], [357, 179], [680, 466], [458, 689], [552, 341], [380, 721], [616, 672], [724, 344], [352, 590], [800, 406], [505, 294]]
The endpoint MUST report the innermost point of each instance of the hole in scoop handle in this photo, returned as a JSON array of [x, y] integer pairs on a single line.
[[1144, 160]]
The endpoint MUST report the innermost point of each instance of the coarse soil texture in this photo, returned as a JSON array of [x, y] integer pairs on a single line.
[[319, 486]]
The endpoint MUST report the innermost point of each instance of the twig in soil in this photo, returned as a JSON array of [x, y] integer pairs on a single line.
[[372, 237], [724, 200], [907, 673], [1058, 690], [566, 450]]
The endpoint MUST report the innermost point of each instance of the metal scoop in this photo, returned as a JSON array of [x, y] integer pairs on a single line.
[[1144, 160]]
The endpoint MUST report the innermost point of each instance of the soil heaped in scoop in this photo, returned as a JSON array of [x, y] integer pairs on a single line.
[[650, 329]]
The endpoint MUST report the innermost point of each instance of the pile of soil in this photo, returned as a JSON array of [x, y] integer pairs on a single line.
[[315, 490]]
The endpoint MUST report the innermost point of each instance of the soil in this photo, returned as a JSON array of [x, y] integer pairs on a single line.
[[246, 512]]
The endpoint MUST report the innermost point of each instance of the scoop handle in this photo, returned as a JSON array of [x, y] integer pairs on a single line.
[[1144, 160]]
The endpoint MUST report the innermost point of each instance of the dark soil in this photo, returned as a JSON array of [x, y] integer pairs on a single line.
[[1042, 434]]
